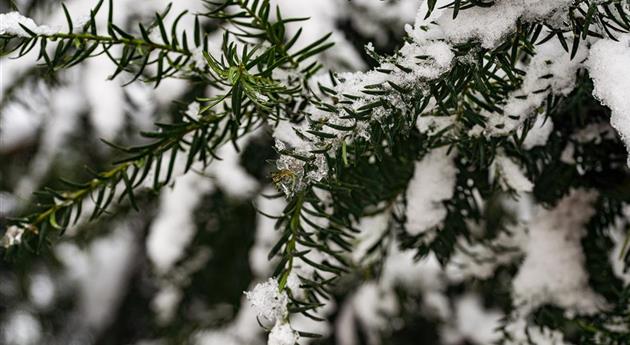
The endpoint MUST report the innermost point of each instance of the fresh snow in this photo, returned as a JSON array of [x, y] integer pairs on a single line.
[[11, 24], [510, 175], [609, 66], [552, 271], [433, 182], [268, 301], [490, 24], [282, 334], [550, 60], [539, 133]]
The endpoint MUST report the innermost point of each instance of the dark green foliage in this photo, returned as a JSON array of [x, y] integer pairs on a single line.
[[367, 173], [250, 96]]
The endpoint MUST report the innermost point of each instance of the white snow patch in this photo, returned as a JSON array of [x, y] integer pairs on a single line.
[[105, 97], [491, 24], [372, 230], [165, 303], [282, 334], [41, 289], [609, 66], [373, 306], [553, 271], [11, 24], [433, 182], [619, 235], [173, 229], [101, 272], [520, 333], [551, 70], [231, 177], [266, 233], [21, 328], [268, 301], [539, 133], [472, 322], [215, 337], [510, 174]]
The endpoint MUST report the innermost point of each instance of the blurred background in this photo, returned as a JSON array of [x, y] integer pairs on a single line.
[[175, 272]]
